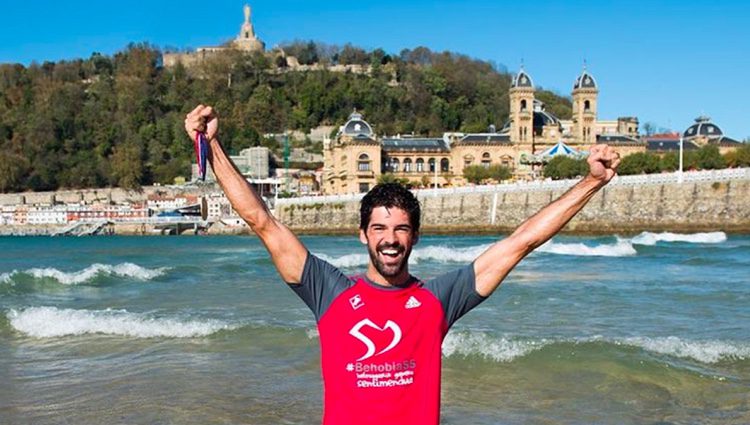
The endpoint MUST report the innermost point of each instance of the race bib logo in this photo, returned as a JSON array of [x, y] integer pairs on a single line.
[[356, 301], [356, 332]]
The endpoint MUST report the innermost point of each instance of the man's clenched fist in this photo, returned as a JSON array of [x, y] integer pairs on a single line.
[[203, 119], [603, 162]]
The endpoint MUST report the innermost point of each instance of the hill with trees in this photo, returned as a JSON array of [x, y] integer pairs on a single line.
[[117, 120]]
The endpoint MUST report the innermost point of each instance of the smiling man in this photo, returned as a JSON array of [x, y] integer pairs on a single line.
[[381, 332]]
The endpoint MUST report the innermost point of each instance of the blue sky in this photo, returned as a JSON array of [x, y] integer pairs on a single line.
[[664, 61]]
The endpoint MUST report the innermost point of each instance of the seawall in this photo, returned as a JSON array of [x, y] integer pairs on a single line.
[[625, 206]]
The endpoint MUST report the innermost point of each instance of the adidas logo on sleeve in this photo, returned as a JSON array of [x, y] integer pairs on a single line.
[[412, 303]]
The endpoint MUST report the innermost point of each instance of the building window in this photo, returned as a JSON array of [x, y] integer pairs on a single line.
[[586, 105], [420, 165], [364, 187], [407, 165], [444, 165], [431, 164], [363, 163], [394, 165], [486, 160], [523, 105], [468, 160]]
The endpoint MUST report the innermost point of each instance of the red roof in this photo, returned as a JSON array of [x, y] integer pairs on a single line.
[[665, 136]]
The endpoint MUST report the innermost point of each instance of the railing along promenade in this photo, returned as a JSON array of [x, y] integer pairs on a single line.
[[523, 186]]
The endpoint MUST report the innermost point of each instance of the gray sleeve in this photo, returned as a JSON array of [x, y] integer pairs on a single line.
[[320, 284], [456, 291]]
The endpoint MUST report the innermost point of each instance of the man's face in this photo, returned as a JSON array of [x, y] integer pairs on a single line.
[[389, 238]]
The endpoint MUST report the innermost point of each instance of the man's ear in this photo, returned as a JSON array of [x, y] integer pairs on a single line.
[[415, 238], [362, 237]]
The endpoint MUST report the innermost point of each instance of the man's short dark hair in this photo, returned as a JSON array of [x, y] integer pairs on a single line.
[[389, 195]]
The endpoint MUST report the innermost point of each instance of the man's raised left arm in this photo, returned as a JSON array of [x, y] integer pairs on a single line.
[[493, 265]]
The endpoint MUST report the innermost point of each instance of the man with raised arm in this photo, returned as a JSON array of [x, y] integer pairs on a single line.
[[381, 332]]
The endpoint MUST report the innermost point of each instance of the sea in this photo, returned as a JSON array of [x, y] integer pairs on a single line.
[[652, 328]]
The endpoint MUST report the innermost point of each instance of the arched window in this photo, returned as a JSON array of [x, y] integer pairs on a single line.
[[523, 105], [586, 105], [507, 161], [394, 165], [407, 165], [431, 164], [468, 160], [444, 165], [363, 163], [420, 165], [486, 160]]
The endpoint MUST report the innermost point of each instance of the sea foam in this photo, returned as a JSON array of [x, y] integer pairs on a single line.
[[449, 254], [502, 349], [702, 351], [48, 322], [648, 238], [437, 253], [621, 248], [128, 270], [491, 348]]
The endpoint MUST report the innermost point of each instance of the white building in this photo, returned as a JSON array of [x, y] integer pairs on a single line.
[[7, 215], [47, 215]]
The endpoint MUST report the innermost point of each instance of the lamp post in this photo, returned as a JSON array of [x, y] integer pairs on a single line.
[[679, 174], [435, 164]]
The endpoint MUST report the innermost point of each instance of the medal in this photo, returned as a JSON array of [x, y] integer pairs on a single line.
[[201, 151]]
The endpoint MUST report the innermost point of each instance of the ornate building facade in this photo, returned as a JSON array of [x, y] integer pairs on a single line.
[[355, 158]]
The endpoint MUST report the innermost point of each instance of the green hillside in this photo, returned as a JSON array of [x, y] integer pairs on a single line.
[[117, 121]]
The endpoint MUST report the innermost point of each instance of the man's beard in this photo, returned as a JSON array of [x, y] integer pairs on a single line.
[[387, 270]]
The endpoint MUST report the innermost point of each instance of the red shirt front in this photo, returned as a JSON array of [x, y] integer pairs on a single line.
[[381, 346]]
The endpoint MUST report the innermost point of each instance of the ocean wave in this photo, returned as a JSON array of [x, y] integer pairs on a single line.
[[491, 348], [449, 254], [346, 261], [702, 351], [501, 349], [88, 274], [648, 238], [49, 322], [621, 248], [437, 253]]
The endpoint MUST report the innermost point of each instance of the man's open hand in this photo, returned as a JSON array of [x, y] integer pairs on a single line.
[[203, 119], [603, 162]]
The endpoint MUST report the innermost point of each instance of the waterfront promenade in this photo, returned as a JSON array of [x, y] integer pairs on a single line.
[[693, 201]]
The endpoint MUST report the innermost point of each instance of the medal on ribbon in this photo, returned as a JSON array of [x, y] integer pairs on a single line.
[[201, 151]]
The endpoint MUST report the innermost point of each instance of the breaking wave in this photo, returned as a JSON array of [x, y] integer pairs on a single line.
[[49, 322], [88, 274], [346, 261], [648, 238], [448, 254], [702, 351], [502, 349], [621, 248], [438, 253], [497, 349]]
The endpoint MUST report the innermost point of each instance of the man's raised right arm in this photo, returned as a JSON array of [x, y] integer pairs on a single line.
[[287, 252]]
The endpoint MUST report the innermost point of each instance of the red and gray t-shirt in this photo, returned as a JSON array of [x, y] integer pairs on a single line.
[[380, 346]]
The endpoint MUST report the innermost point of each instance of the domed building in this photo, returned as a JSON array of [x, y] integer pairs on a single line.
[[531, 129], [705, 132], [352, 160]]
